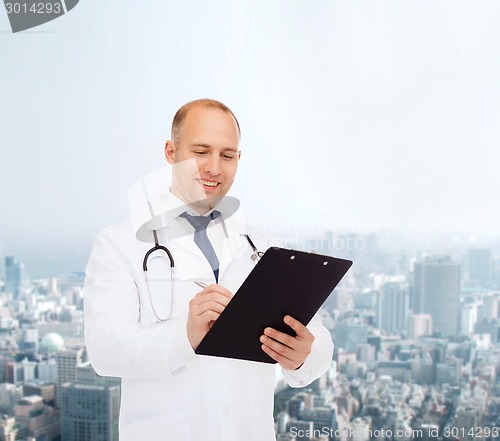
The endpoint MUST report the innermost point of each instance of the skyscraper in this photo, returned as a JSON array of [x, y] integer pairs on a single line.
[[392, 308], [67, 361], [16, 277], [89, 413], [468, 318], [479, 264], [436, 291], [90, 407], [348, 334]]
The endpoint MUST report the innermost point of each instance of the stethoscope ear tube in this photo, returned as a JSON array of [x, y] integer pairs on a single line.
[[155, 248]]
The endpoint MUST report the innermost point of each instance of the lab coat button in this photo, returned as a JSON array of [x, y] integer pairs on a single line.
[[225, 412]]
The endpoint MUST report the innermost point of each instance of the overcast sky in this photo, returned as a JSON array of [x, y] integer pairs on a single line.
[[359, 114]]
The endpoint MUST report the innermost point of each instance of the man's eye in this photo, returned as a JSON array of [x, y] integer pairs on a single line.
[[228, 156], [201, 153]]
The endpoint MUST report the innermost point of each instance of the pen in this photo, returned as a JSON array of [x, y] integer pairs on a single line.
[[201, 284]]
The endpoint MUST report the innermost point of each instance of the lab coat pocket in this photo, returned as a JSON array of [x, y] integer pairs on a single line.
[[171, 426], [262, 425]]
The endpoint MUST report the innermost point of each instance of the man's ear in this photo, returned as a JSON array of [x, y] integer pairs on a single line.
[[170, 152]]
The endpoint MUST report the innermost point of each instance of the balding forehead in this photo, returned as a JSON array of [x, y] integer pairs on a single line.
[[186, 109]]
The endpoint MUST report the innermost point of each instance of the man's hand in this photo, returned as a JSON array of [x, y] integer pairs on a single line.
[[204, 309], [290, 352]]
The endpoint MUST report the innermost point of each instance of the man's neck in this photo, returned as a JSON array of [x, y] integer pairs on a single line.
[[202, 207]]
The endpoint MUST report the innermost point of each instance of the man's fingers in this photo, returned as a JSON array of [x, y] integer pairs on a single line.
[[286, 339], [290, 352], [281, 359], [210, 305], [277, 346], [215, 288], [209, 316], [298, 327], [211, 297]]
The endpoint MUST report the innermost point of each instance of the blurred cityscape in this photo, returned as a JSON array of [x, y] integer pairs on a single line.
[[417, 352]]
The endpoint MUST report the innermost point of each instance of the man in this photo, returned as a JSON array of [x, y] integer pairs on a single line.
[[147, 336]]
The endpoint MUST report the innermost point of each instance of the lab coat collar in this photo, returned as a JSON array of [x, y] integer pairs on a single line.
[[170, 207], [170, 228]]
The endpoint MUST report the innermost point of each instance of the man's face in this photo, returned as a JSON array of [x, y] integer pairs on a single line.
[[205, 158]]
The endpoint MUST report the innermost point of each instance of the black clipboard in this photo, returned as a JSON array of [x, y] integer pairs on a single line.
[[284, 282]]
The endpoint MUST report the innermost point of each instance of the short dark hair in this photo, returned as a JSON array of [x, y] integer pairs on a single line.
[[206, 103]]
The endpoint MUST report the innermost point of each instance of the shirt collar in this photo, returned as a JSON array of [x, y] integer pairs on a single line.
[[169, 207]]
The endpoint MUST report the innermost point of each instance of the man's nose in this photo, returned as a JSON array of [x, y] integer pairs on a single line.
[[213, 165]]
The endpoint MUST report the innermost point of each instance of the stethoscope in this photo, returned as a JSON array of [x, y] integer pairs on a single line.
[[255, 257]]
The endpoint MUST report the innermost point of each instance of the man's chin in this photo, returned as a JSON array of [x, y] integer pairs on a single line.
[[207, 204]]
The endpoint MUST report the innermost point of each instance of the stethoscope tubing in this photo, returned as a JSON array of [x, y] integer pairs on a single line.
[[255, 258]]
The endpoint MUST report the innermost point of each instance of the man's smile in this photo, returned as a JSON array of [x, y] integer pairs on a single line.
[[208, 183]]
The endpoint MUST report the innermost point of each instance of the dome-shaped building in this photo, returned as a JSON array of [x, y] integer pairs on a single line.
[[51, 343]]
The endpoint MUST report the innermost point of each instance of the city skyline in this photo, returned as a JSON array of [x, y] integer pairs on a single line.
[[72, 257], [395, 367]]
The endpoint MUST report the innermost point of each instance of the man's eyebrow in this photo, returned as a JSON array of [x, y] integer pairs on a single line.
[[205, 146]]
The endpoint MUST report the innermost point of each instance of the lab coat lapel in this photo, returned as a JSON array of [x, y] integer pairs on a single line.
[[182, 243], [232, 246]]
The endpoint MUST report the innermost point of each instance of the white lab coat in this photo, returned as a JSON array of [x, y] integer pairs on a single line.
[[169, 392]]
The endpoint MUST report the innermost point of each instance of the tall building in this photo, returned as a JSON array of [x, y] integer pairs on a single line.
[[16, 277], [89, 413], [67, 360], [29, 340], [348, 334], [47, 370], [14, 372], [436, 291], [479, 264], [449, 372], [467, 418], [490, 307], [90, 407], [468, 318], [28, 368], [10, 394], [392, 308]]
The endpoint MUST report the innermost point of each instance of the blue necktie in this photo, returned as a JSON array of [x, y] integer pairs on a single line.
[[200, 224]]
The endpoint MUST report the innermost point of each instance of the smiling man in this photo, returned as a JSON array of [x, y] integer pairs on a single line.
[[145, 329]]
